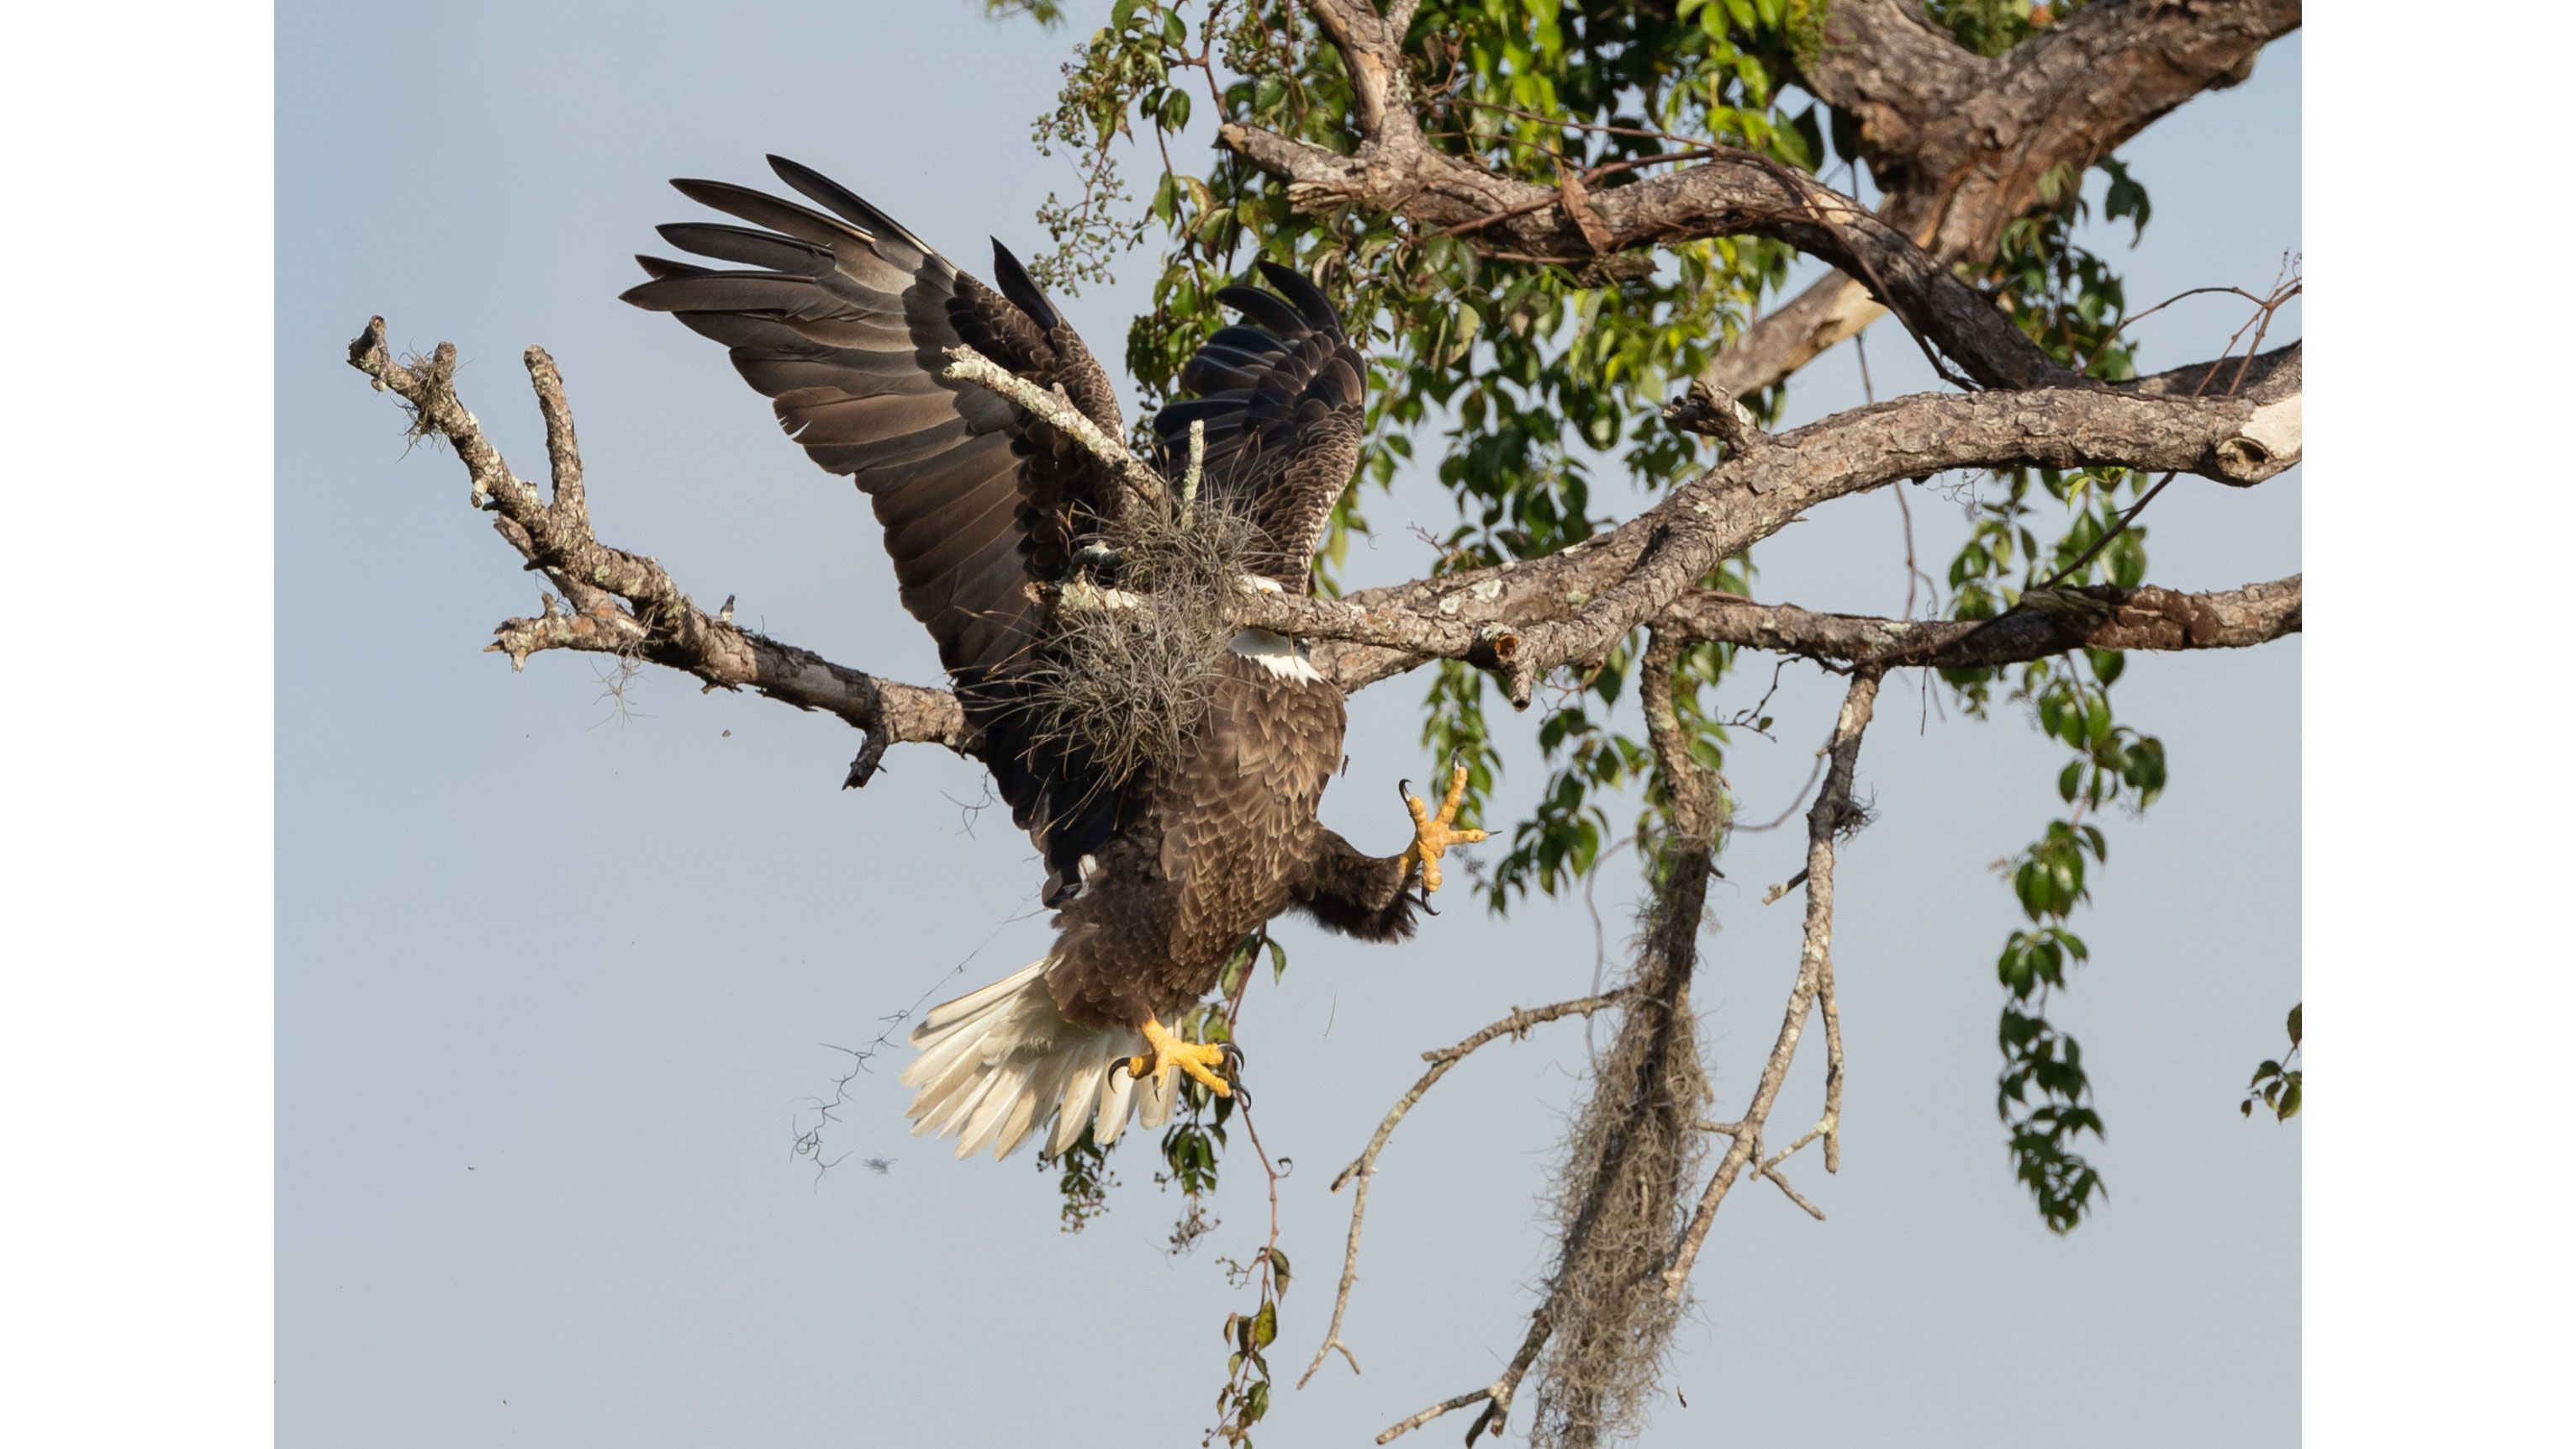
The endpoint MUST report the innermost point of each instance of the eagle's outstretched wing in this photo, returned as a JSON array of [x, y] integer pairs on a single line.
[[1282, 394], [843, 320]]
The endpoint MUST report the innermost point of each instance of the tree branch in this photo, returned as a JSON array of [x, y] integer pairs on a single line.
[[965, 364], [2097, 617], [1825, 821], [1571, 607], [623, 603], [1629, 1152], [1518, 620], [1364, 1169], [1733, 193], [1961, 144]]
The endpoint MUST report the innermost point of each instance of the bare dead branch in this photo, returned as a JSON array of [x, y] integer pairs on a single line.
[[967, 365], [623, 603], [1364, 1168], [1824, 821], [1600, 1322]]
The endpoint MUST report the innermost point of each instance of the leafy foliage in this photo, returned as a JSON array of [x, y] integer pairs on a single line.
[[2039, 1059], [1537, 388], [1991, 27], [2069, 301], [1084, 1180], [1246, 1395], [2276, 1082]]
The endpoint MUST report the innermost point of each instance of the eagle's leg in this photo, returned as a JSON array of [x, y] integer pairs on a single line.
[[1198, 1059], [1433, 834]]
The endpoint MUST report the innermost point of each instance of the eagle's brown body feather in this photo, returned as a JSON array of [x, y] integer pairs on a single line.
[[1216, 849]]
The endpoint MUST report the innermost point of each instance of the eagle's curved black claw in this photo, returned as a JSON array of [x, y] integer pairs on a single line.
[[1230, 1066]]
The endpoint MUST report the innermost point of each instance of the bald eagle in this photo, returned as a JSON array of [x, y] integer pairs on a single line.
[[845, 320]]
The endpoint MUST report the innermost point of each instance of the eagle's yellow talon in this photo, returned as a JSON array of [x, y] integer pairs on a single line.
[[1434, 834], [1194, 1058]]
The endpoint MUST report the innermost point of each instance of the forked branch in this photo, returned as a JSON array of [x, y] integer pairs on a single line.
[[1826, 821], [1364, 1168], [622, 603]]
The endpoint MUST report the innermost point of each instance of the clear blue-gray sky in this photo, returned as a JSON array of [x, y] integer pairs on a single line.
[[553, 983]]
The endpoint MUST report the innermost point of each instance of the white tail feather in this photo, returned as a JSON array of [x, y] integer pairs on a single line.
[[998, 1062]]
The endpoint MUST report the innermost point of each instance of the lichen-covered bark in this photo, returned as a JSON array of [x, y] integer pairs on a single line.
[[623, 603]]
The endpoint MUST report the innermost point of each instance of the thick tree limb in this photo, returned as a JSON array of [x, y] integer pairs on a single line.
[[1964, 139], [1518, 620], [1732, 193], [623, 603], [2098, 617], [1960, 143], [1572, 606]]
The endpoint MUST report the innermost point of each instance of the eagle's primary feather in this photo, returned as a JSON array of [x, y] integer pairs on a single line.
[[843, 319]]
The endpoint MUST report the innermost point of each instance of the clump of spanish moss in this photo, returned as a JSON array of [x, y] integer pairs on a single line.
[[1128, 674], [1618, 1192]]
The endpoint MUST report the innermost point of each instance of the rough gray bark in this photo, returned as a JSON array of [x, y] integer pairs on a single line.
[[1958, 142], [1526, 617], [623, 603], [2097, 617], [1519, 619]]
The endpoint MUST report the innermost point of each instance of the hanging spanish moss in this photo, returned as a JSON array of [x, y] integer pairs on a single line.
[[1618, 1192]]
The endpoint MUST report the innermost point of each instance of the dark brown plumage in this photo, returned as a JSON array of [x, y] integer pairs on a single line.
[[842, 318]]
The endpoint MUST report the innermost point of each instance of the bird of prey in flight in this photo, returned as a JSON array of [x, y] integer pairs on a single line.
[[846, 321]]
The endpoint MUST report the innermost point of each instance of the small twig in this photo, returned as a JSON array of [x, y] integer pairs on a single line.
[[1928, 644], [1813, 1211], [1415, 1421], [2123, 324], [1364, 1167], [1803, 189], [1496, 1396], [1782, 818]]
